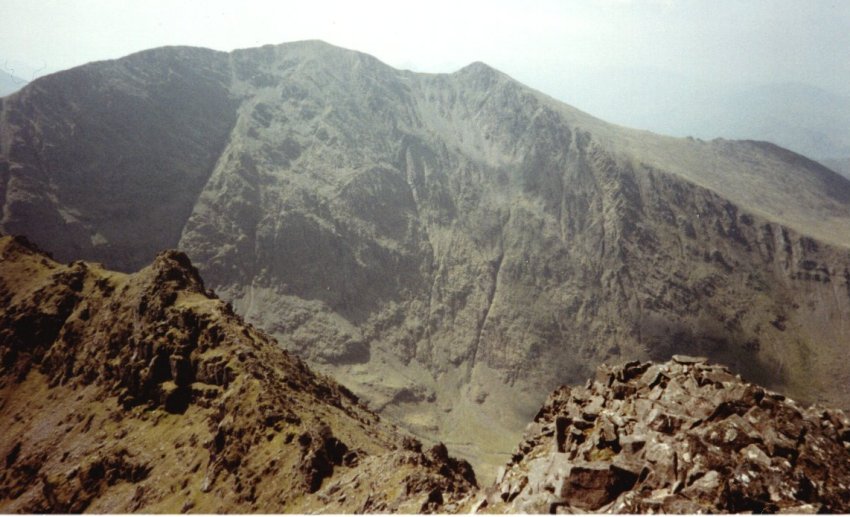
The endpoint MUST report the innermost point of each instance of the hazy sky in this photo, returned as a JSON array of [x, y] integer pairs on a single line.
[[539, 43]]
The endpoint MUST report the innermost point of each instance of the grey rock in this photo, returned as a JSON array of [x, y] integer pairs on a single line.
[[653, 375], [592, 409], [607, 430], [687, 359], [632, 444], [753, 454], [705, 487]]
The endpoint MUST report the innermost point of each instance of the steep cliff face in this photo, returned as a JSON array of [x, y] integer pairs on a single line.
[[143, 393], [449, 246]]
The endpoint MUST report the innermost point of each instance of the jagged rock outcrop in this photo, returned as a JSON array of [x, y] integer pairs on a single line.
[[145, 393], [450, 246], [685, 436]]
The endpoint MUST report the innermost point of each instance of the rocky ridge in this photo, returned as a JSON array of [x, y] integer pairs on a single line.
[[145, 393], [685, 436], [449, 246]]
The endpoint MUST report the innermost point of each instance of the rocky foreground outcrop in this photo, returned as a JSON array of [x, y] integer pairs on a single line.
[[684, 436], [145, 393]]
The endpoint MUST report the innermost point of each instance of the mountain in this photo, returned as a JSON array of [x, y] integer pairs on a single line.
[[684, 436], [449, 246], [144, 393], [9, 83]]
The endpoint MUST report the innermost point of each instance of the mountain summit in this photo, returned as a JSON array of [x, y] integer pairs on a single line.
[[451, 246]]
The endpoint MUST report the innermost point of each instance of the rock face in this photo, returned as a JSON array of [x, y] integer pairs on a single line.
[[450, 246], [144, 393], [684, 436]]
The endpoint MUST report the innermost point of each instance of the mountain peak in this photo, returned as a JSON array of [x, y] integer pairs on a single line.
[[481, 76], [305, 46], [479, 69]]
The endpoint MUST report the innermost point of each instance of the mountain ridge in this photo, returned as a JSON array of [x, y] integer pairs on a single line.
[[143, 392], [802, 117], [451, 246]]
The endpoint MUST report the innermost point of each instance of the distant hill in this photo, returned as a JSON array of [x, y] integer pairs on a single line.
[[839, 166], [800, 117], [9, 83]]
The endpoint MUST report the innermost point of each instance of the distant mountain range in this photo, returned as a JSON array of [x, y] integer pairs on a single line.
[[799, 117], [840, 166], [9, 83], [449, 246]]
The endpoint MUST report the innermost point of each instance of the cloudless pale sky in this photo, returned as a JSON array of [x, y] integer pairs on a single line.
[[678, 67], [534, 41]]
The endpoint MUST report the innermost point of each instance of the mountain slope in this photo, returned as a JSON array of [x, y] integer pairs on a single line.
[[450, 246], [114, 152], [142, 393]]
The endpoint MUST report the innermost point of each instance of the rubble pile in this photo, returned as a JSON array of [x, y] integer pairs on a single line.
[[685, 436]]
